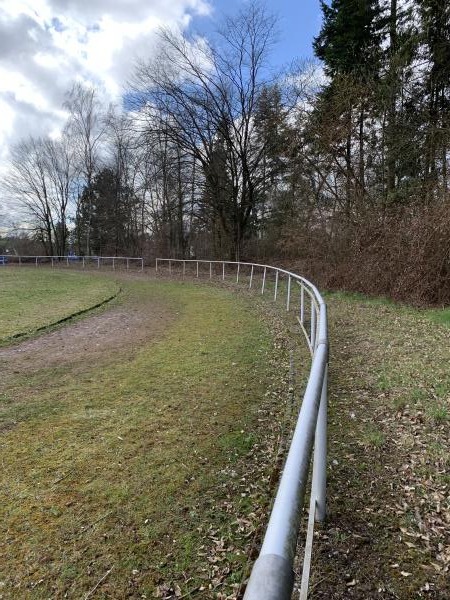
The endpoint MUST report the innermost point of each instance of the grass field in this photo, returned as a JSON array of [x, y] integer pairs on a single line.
[[388, 533], [32, 298], [141, 464], [143, 472]]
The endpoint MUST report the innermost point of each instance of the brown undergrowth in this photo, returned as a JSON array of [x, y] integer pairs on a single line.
[[402, 253]]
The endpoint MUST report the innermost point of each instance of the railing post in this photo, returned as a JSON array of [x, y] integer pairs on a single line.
[[264, 281], [223, 271], [83, 262], [302, 304], [156, 266], [210, 270], [288, 299], [197, 268], [313, 326], [128, 264], [52, 262], [237, 274], [142, 264], [98, 262], [36, 261], [251, 277], [170, 267], [114, 264], [319, 483], [184, 268], [67, 260], [276, 285]]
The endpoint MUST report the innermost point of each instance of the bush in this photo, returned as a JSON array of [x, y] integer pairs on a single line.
[[404, 254]]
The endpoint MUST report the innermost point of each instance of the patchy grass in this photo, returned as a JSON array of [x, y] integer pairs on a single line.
[[440, 316], [388, 532], [32, 298], [145, 474]]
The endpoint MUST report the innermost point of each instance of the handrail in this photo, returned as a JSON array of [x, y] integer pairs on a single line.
[[272, 576], [40, 259]]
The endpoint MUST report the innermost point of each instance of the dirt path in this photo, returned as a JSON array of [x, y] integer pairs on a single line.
[[92, 338]]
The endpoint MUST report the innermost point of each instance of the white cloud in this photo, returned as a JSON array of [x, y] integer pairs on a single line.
[[46, 45]]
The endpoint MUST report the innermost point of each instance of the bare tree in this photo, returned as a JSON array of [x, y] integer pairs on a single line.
[[86, 129], [202, 94], [41, 181]]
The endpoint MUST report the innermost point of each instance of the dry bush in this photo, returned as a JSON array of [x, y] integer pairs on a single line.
[[404, 255]]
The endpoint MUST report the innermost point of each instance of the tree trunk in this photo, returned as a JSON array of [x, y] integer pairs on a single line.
[[392, 104]]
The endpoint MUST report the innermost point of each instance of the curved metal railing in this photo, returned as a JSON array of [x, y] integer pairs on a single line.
[[272, 576]]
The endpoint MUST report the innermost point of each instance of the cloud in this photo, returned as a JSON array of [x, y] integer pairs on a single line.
[[46, 45]]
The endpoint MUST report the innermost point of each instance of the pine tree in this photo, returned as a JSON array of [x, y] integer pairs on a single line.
[[273, 135], [111, 208], [350, 38], [349, 44]]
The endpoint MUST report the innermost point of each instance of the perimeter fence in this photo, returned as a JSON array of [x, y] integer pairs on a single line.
[[85, 262], [272, 576]]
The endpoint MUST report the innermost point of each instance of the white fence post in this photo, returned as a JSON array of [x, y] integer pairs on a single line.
[[288, 299]]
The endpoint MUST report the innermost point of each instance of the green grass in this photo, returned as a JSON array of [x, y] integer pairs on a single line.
[[438, 412], [33, 298], [153, 463], [440, 316], [388, 452], [373, 437]]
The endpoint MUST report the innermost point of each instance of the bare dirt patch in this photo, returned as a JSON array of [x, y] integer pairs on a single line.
[[93, 338]]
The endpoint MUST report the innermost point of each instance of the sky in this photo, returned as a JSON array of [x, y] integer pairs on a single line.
[[47, 45]]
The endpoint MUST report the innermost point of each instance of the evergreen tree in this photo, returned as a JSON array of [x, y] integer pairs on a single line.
[[273, 135], [107, 207], [350, 39], [349, 44]]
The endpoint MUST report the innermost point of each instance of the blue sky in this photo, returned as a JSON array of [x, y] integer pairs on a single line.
[[298, 22]]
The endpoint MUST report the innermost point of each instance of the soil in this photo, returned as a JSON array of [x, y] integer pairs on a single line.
[[92, 338]]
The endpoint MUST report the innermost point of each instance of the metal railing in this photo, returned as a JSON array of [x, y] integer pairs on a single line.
[[85, 261], [272, 576]]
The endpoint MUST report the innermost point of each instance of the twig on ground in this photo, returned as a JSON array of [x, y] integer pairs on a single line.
[[89, 594]]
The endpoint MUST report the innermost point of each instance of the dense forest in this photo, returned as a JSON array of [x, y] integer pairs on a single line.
[[337, 167]]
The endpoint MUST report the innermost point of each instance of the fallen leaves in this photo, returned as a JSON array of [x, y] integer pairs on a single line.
[[389, 446]]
